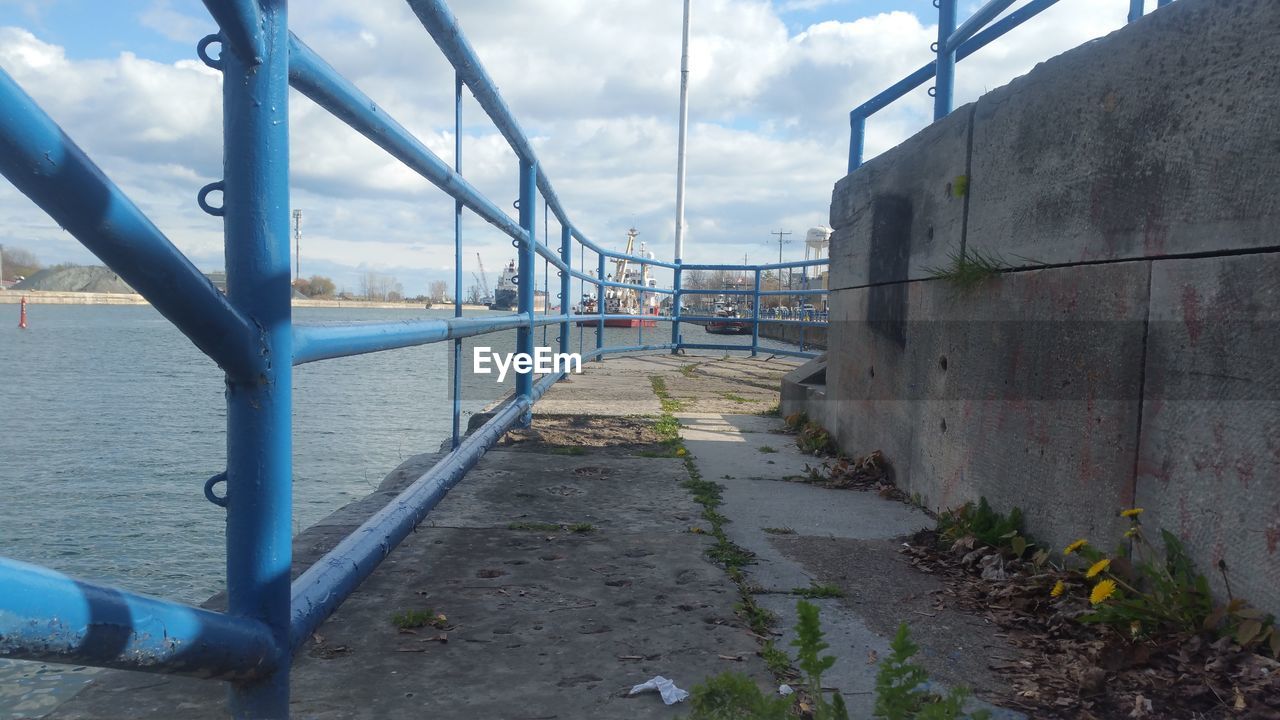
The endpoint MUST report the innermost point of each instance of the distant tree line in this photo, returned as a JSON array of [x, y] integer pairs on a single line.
[[18, 263], [316, 286]]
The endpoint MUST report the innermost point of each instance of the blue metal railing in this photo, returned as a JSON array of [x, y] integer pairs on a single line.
[[953, 45], [250, 334]]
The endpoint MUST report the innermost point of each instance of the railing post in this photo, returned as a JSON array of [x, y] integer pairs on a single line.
[[457, 262], [600, 291], [1135, 10], [528, 221], [259, 408], [755, 317], [566, 283], [675, 307], [857, 138], [946, 68]]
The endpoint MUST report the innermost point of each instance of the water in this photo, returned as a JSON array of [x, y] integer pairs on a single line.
[[111, 421]]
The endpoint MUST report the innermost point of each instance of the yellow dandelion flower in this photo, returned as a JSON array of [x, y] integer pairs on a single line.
[[1058, 588], [1097, 567], [1102, 591], [1131, 512], [1075, 546], [1131, 532]]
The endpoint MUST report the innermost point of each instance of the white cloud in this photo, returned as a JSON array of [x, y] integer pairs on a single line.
[[595, 84]]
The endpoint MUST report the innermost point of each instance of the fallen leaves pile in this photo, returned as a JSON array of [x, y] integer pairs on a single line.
[[869, 472], [1069, 669]]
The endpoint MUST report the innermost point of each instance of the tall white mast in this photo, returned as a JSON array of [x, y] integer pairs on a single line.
[[684, 129]]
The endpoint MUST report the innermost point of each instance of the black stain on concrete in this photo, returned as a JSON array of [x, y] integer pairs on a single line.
[[887, 266]]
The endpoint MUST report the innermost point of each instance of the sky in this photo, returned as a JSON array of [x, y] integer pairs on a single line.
[[594, 84]]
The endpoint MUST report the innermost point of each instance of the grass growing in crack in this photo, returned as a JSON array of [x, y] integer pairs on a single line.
[[735, 398], [969, 269], [767, 449], [410, 619], [689, 370], [778, 662], [816, 591], [582, 528], [758, 619], [668, 403], [775, 411], [572, 450], [779, 531], [709, 495], [667, 428]]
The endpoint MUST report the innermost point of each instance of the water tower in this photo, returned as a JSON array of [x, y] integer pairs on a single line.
[[817, 243]]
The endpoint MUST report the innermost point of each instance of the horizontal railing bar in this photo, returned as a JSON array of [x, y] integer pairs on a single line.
[[630, 348], [615, 254], [241, 24], [591, 319], [771, 351], [1002, 26], [443, 28], [753, 268], [47, 166], [751, 321], [313, 77], [49, 617], [612, 283], [328, 582], [708, 291], [810, 291], [978, 20], [965, 49], [324, 342]]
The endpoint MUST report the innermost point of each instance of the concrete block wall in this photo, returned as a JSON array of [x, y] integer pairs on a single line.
[[1128, 354]]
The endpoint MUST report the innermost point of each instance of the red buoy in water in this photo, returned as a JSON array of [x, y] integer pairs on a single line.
[[22, 315]]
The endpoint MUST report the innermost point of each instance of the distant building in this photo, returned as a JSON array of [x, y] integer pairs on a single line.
[[219, 279]]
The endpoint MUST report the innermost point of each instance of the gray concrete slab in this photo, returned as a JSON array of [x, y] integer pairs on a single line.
[[540, 623], [1209, 463], [1077, 161], [903, 211], [1025, 391]]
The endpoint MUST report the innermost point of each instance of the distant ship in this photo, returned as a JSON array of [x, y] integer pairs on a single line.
[[505, 295], [626, 301], [730, 325]]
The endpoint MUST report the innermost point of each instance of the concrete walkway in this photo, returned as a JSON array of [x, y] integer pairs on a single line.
[[545, 622]]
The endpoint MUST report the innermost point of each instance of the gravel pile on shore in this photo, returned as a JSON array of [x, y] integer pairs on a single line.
[[93, 279]]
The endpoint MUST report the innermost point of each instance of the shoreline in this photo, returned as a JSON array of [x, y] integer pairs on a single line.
[[52, 297]]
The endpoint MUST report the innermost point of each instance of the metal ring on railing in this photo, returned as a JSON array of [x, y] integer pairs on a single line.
[[516, 204], [937, 4], [202, 49], [933, 47], [202, 198], [933, 92], [219, 500]]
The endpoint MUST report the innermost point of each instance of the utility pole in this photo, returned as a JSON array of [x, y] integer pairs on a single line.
[[297, 245], [781, 234], [782, 239]]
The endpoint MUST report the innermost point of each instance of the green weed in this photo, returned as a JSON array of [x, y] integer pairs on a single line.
[[902, 688]]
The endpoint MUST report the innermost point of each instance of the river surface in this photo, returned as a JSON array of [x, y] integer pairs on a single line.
[[111, 421]]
